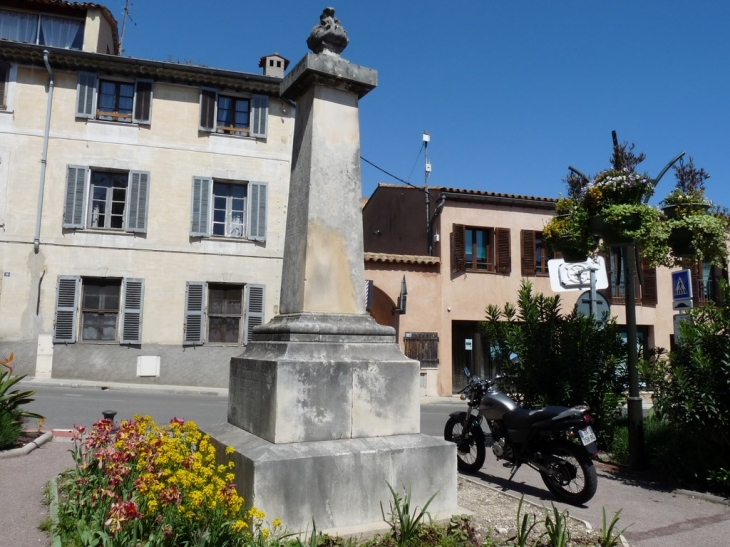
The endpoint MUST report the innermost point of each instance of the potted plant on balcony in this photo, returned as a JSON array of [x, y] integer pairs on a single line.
[[567, 233], [694, 230]]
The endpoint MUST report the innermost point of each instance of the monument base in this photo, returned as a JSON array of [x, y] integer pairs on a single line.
[[340, 485]]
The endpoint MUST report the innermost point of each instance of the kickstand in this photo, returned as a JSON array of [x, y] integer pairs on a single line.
[[512, 474]]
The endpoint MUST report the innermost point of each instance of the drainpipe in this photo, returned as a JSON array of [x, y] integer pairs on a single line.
[[37, 239]]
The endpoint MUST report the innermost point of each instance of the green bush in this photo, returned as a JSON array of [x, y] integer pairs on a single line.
[[11, 403], [580, 358], [10, 428]]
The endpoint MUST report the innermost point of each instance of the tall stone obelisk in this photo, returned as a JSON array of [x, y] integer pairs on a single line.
[[323, 406]]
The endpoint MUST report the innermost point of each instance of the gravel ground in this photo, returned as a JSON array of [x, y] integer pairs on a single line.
[[495, 514]]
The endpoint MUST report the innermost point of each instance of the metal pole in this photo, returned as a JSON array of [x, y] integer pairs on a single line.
[[429, 243], [635, 412], [593, 294]]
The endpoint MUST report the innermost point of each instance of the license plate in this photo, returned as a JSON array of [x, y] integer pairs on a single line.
[[587, 436]]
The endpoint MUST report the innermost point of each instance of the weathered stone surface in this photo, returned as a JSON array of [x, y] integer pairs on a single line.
[[339, 483], [327, 70]]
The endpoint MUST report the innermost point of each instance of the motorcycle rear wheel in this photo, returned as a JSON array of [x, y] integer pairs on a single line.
[[574, 479], [470, 448]]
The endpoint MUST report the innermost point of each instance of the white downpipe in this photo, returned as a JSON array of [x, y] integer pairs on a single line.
[[37, 239]]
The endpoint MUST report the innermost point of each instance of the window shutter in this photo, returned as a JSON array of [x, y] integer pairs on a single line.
[[67, 296], [194, 329], [4, 77], [254, 309], [504, 258], [73, 209], [208, 109], [528, 252], [649, 289], [137, 200], [86, 95], [608, 291], [257, 197], [259, 119], [142, 101], [132, 302], [200, 207], [458, 252]]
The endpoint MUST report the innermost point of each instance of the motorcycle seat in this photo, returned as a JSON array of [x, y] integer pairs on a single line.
[[522, 417]]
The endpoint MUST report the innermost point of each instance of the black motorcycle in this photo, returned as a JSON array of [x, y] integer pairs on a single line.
[[556, 441]]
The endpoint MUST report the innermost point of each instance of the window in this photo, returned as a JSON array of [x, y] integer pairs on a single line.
[[645, 293], [110, 309], [117, 200], [4, 83], [233, 115], [214, 312], [480, 249], [228, 209], [44, 30], [114, 100], [534, 254], [705, 278]]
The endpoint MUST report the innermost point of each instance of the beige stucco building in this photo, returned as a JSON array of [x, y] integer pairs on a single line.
[[142, 203], [474, 250]]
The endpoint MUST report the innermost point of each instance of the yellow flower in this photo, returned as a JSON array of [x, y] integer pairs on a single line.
[[230, 450], [239, 525]]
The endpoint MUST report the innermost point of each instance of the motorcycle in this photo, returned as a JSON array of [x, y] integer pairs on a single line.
[[556, 441]]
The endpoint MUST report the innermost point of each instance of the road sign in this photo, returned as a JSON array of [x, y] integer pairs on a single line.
[[682, 284], [683, 304], [583, 305], [576, 276]]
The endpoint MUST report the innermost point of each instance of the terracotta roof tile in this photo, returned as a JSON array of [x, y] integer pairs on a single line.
[[466, 192], [402, 259]]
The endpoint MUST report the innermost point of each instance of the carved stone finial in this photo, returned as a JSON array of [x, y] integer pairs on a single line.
[[328, 36]]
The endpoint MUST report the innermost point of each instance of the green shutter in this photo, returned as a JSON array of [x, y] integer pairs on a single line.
[[86, 95], [257, 206], [137, 200], [132, 303], [75, 198], [260, 115], [254, 309], [68, 290], [194, 328]]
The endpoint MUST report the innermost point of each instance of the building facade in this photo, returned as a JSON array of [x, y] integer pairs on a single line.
[[475, 249], [142, 203]]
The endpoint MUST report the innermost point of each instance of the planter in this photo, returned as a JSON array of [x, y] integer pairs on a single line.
[[566, 247], [680, 240], [612, 235], [684, 209]]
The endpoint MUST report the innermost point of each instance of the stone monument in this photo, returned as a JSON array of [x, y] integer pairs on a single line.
[[323, 407]]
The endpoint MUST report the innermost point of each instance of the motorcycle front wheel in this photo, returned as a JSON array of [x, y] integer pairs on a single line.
[[470, 448], [572, 476]]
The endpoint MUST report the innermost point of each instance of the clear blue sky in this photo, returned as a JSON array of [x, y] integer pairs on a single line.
[[511, 92]]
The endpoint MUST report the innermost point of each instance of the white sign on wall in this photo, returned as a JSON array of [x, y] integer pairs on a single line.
[[467, 344]]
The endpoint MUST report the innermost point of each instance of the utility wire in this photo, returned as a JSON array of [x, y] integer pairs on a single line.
[[416, 161], [392, 175]]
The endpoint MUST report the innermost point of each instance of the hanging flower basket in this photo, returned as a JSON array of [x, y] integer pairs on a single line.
[[680, 240], [683, 209], [613, 234], [570, 251]]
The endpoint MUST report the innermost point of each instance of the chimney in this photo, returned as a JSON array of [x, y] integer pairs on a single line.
[[274, 65]]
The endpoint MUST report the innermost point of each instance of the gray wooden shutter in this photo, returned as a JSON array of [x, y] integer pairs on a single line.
[[200, 207], [528, 251], [132, 303], [86, 95], [68, 290], [254, 309], [257, 205], [75, 199], [504, 255], [137, 200], [194, 328], [458, 249], [260, 115], [208, 109], [4, 77], [142, 101]]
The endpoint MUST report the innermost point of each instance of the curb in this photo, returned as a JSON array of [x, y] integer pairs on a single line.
[[53, 510], [712, 498], [22, 451]]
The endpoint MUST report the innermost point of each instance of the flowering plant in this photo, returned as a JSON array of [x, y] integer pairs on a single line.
[[616, 186], [149, 485], [568, 231]]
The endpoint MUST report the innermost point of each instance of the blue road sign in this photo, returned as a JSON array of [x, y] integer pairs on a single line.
[[681, 285]]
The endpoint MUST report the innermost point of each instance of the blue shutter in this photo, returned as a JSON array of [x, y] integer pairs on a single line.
[[142, 109], [86, 95], [260, 115], [208, 109], [68, 289], [137, 200], [194, 328], [75, 198], [200, 207], [254, 309], [132, 303], [257, 206]]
